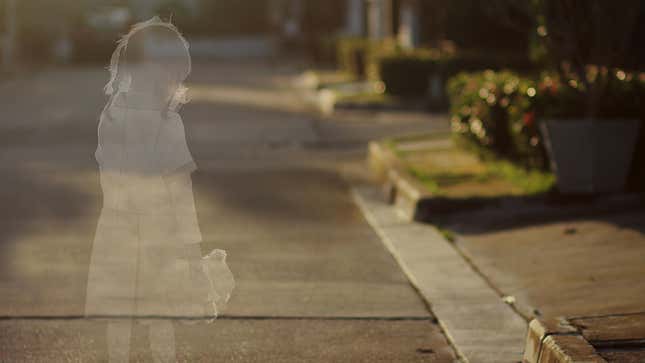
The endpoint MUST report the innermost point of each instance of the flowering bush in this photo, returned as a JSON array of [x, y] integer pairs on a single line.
[[492, 110], [499, 111], [565, 97], [622, 98]]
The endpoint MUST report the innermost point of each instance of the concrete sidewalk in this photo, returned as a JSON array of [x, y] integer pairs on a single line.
[[585, 270], [577, 267]]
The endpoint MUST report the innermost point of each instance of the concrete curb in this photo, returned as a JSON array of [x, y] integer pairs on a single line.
[[399, 187], [415, 203], [557, 341], [478, 323]]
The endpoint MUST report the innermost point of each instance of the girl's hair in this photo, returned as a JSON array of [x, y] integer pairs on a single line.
[[130, 50]]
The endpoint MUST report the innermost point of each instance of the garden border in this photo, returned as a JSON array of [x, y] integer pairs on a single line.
[[415, 203]]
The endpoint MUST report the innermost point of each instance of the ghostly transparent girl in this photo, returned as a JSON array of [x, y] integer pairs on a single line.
[[146, 264]]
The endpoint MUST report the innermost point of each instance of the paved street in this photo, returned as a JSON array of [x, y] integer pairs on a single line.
[[314, 282]]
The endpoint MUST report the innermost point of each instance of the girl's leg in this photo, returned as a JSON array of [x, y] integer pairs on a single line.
[[162, 341], [118, 340]]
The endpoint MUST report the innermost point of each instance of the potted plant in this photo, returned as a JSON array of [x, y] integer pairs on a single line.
[[587, 111], [589, 121]]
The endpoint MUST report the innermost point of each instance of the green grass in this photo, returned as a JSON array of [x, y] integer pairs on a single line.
[[466, 176], [429, 181], [449, 235], [530, 181]]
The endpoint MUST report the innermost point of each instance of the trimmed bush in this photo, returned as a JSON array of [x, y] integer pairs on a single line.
[[408, 74]]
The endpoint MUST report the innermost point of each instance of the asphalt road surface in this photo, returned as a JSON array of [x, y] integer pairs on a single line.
[[314, 283]]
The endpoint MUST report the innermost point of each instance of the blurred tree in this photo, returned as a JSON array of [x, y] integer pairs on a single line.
[[471, 24], [574, 35], [593, 32]]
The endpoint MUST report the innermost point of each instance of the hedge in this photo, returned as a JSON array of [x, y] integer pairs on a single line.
[[409, 73]]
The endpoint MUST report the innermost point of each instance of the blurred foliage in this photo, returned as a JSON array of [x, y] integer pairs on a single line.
[[498, 112], [407, 72], [570, 35], [485, 108], [594, 32], [562, 98], [472, 24]]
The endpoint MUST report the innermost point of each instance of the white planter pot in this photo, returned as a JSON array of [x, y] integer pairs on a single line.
[[590, 156]]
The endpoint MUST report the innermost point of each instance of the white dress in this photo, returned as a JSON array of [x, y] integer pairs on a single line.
[[148, 220]]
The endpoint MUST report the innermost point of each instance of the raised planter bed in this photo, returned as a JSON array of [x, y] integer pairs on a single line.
[[429, 180], [448, 181]]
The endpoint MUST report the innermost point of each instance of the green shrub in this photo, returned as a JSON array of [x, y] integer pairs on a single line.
[[408, 73], [497, 112], [622, 97], [491, 111]]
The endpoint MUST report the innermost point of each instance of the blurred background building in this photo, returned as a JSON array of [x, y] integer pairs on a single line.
[[85, 30]]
